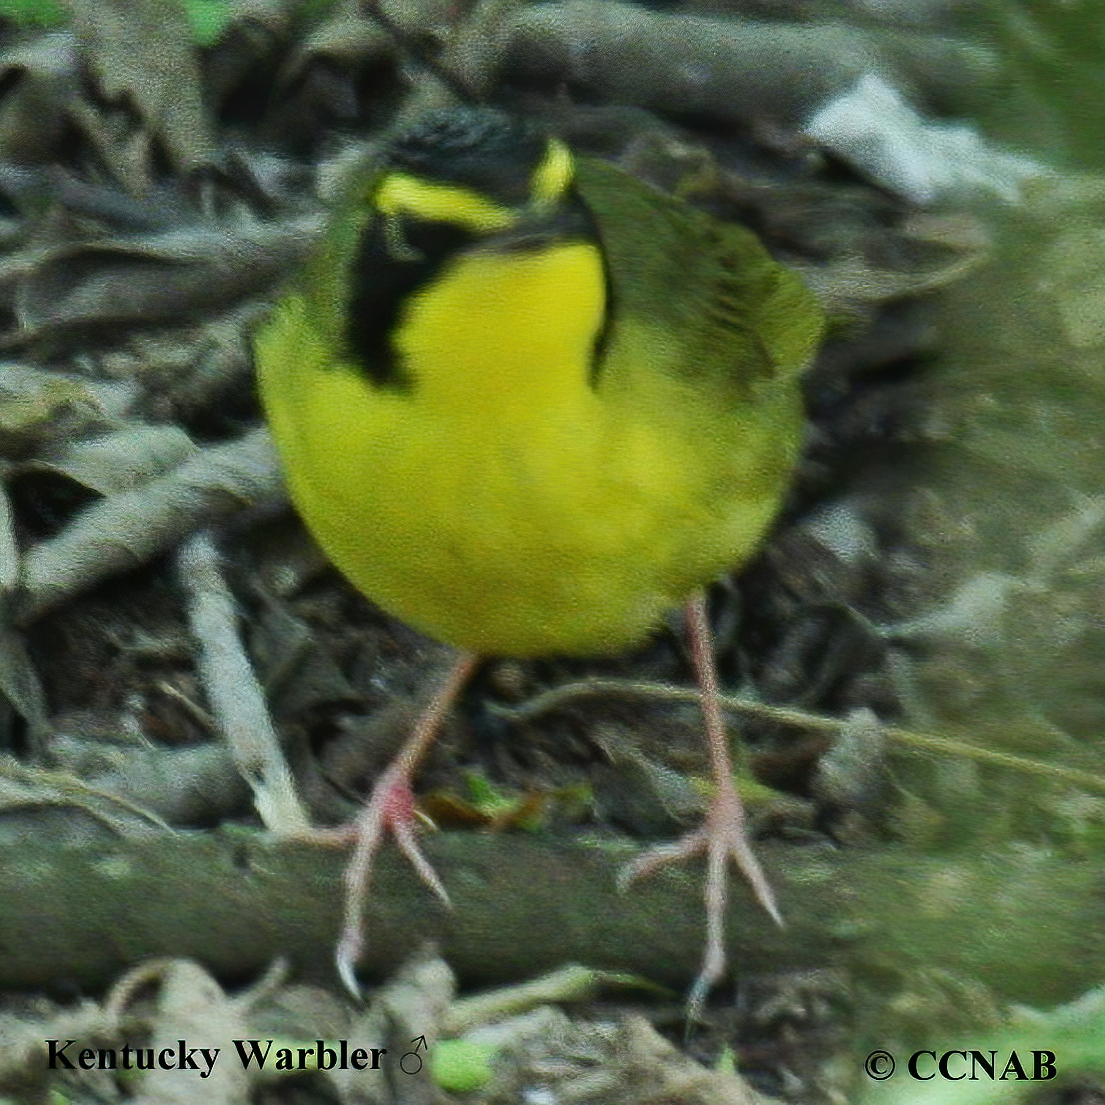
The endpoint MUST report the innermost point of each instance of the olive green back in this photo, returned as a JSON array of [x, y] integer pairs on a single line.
[[744, 323]]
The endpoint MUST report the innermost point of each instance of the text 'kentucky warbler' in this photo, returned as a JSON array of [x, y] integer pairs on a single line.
[[528, 404]]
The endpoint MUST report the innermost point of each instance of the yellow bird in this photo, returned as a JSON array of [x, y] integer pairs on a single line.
[[528, 404]]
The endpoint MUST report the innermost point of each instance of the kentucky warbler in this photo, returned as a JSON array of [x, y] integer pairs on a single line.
[[528, 404]]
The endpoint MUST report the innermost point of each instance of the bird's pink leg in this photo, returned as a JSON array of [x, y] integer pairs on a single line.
[[391, 808], [722, 835]]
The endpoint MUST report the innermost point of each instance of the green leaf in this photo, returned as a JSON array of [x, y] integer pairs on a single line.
[[38, 13], [460, 1067], [208, 18]]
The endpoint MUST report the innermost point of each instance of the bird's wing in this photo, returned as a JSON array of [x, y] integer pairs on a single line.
[[738, 322]]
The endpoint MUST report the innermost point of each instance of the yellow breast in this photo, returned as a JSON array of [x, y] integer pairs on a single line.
[[502, 503]]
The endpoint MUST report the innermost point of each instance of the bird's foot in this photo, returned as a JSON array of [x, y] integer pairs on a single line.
[[391, 809], [721, 837]]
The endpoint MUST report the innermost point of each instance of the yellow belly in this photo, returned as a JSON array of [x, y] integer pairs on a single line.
[[503, 509]]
